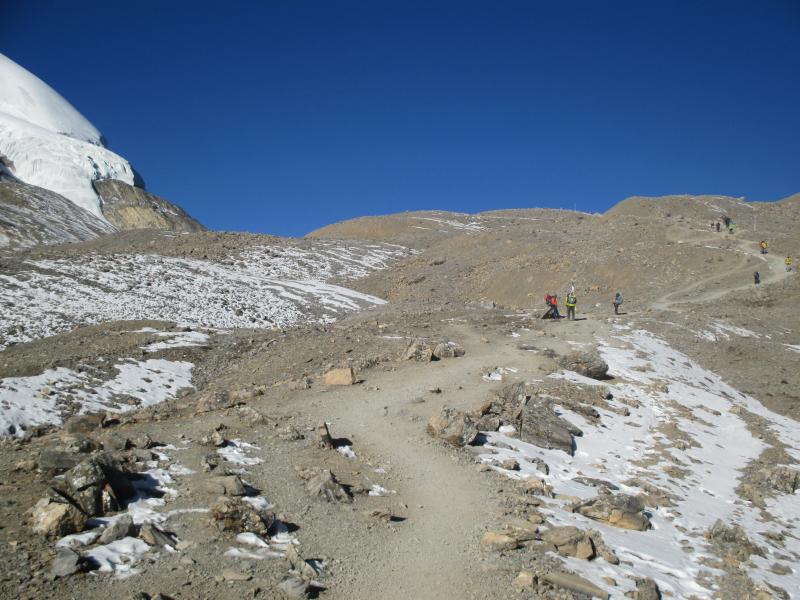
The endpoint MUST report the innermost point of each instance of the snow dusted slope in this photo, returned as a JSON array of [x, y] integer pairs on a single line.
[[49, 144], [30, 215], [267, 287], [662, 392]]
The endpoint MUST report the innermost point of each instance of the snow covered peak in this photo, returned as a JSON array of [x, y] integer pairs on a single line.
[[46, 142], [28, 98]]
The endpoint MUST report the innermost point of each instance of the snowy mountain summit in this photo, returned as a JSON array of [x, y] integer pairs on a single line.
[[46, 142]]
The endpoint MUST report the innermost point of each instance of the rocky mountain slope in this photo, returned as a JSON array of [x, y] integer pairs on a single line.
[[378, 410], [128, 207], [45, 142]]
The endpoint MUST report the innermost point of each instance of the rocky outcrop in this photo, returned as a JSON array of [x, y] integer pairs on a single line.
[[533, 416], [128, 207]]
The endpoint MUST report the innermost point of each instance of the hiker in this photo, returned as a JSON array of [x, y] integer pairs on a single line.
[[617, 302], [571, 302], [717, 226], [730, 227], [763, 245], [548, 300], [756, 277], [788, 262], [727, 221], [554, 304]]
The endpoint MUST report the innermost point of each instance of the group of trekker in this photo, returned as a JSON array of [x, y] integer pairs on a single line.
[[551, 300], [729, 225], [786, 261]]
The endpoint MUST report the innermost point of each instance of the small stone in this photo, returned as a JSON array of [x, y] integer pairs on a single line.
[[525, 580], [234, 575], [294, 587], [119, 528], [155, 536], [510, 464], [498, 541], [610, 581]]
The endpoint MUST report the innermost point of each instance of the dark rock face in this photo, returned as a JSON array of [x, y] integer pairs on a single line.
[[129, 207], [533, 416]]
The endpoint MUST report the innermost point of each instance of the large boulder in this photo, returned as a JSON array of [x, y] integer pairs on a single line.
[[97, 485], [453, 426], [586, 363], [533, 416], [344, 376], [55, 519]]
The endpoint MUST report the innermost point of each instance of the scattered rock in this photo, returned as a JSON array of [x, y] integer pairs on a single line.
[[154, 536], [84, 423], [454, 427], [620, 510], [498, 541], [570, 541], [444, 350], [646, 589], [323, 484], [117, 529], [324, 440], [294, 587], [586, 363], [229, 574], [510, 464], [235, 515], [344, 376], [525, 580], [227, 485], [731, 542], [297, 564], [574, 583], [67, 562]]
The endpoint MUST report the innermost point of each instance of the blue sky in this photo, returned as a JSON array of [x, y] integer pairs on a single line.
[[283, 116]]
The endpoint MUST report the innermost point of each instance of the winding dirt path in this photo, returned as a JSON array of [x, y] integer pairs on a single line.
[[698, 290]]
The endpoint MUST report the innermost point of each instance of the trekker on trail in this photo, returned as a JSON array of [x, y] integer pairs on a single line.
[[571, 302], [617, 302], [554, 304], [730, 227], [552, 307], [788, 262], [717, 226], [763, 245], [756, 277], [727, 221]]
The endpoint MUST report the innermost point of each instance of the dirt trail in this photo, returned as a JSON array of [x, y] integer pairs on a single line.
[[775, 271], [449, 501]]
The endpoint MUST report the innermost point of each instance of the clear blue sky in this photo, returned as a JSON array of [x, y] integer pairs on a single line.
[[282, 116]]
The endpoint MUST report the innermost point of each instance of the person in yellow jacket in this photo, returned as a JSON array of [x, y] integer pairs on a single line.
[[571, 302], [763, 245], [788, 262]]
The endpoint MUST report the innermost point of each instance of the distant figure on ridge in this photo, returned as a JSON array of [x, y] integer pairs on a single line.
[[756, 277], [617, 302], [727, 221], [571, 302], [717, 226], [763, 245], [788, 262], [730, 227]]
